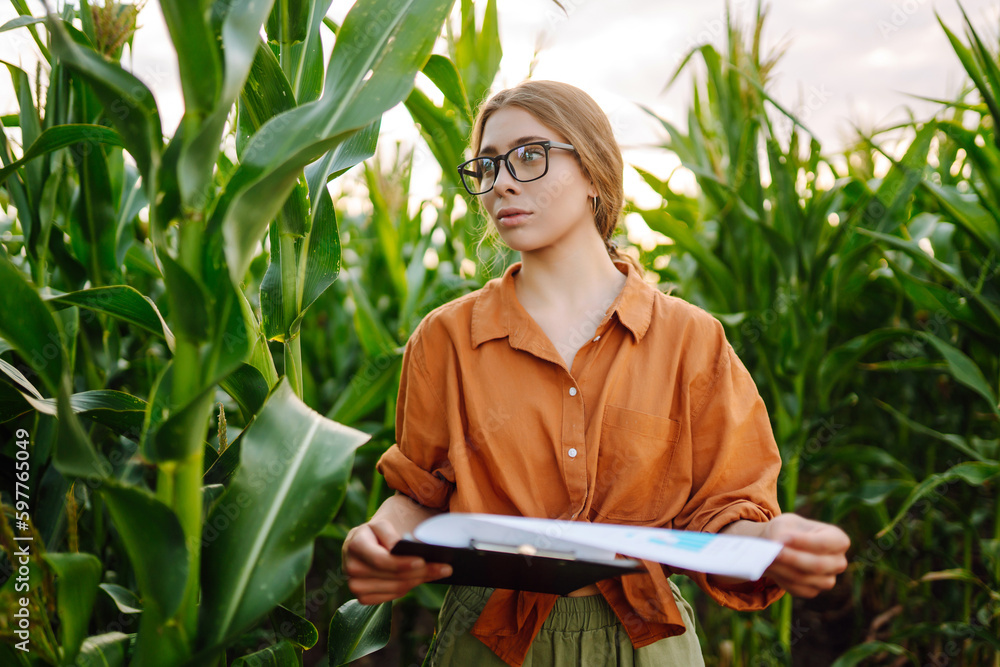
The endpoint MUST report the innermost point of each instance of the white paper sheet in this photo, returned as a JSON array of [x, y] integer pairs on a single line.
[[726, 555]]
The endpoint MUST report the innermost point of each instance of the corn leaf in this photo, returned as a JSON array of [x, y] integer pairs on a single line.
[[122, 302], [77, 576], [154, 541], [282, 654], [975, 473], [357, 630], [129, 103], [294, 628], [29, 327], [363, 80], [294, 466], [104, 650]]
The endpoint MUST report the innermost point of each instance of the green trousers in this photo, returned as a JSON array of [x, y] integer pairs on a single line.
[[579, 631]]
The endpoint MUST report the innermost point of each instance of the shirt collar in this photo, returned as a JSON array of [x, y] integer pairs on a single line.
[[497, 312]]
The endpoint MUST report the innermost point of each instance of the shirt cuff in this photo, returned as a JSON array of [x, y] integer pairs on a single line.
[[430, 489], [746, 595]]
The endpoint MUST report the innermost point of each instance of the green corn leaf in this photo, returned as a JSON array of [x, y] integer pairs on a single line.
[[986, 160], [122, 302], [266, 94], [956, 441], [197, 57], [188, 300], [975, 473], [130, 104], [222, 469], [291, 479], [968, 214], [975, 72], [842, 359], [478, 53], [372, 334], [248, 388], [307, 57], [442, 134], [119, 411], [443, 73], [210, 493], [388, 235], [718, 274], [29, 124], [233, 337], [357, 630], [282, 654], [355, 150], [27, 213], [126, 601], [18, 378], [19, 22], [272, 314], [369, 388], [260, 355], [62, 136], [963, 369], [200, 148], [172, 441], [93, 226], [105, 650], [364, 79], [860, 652], [77, 576], [288, 22], [294, 628], [29, 327], [319, 266], [154, 540], [74, 455]]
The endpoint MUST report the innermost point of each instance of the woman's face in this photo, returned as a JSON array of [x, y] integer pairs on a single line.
[[539, 214]]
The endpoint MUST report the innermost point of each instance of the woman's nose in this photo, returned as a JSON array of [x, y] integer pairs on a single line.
[[505, 180]]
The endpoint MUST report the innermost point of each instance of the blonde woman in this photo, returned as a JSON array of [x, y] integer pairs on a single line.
[[572, 389]]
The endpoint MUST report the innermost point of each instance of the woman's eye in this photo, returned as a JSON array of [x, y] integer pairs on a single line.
[[531, 153]]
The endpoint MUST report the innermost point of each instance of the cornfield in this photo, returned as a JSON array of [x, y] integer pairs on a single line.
[[200, 346]]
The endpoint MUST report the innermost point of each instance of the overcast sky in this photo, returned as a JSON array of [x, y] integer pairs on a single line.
[[847, 61]]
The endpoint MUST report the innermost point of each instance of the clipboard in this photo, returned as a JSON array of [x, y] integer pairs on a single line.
[[521, 567]]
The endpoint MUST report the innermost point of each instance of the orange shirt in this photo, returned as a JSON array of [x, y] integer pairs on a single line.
[[658, 423]]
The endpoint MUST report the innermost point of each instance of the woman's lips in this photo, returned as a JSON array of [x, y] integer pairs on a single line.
[[512, 218]]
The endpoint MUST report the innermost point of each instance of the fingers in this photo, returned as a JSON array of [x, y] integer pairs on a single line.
[[822, 539], [803, 586], [367, 546], [804, 573], [374, 574]]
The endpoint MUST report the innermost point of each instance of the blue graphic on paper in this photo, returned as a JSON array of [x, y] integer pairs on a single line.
[[687, 540]]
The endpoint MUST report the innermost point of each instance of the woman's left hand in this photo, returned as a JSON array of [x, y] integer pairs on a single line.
[[813, 555]]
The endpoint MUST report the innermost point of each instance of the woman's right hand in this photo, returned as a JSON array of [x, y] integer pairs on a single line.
[[374, 574]]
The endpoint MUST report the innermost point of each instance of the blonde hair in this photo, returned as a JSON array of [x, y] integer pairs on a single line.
[[575, 115]]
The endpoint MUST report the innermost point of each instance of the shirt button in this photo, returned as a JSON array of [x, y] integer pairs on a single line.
[[572, 452], [597, 339], [572, 391]]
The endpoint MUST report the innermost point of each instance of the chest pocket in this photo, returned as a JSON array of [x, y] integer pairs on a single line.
[[633, 464]]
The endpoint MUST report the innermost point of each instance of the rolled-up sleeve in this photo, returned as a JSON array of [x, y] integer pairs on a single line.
[[417, 464], [735, 465]]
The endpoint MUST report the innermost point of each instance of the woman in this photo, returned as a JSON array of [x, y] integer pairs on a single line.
[[571, 389]]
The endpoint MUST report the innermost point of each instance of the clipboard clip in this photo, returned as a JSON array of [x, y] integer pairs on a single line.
[[521, 549]]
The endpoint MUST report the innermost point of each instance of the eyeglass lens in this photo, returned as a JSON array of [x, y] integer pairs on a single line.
[[525, 163]]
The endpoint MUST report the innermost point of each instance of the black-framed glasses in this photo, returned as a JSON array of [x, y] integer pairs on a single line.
[[527, 162]]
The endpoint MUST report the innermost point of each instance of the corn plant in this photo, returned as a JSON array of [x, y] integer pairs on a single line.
[[811, 280], [210, 537]]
